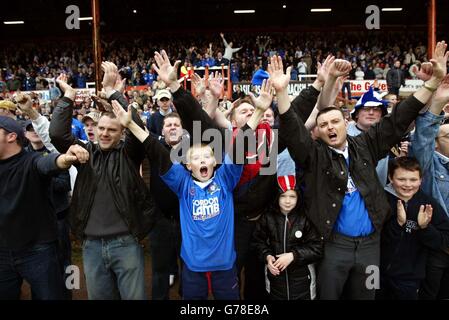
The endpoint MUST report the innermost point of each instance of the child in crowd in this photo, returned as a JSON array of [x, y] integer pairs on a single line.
[[288, 243], [206, 211], [418, 224]]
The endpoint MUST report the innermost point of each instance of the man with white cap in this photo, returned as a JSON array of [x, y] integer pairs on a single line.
[[164, 102], [90, 121]]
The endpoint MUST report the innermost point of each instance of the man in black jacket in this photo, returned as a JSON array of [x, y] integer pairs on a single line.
[[28, 231], [111, 208], [343, 196], [395, 78]]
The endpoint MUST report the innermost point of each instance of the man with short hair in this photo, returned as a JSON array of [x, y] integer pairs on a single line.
[[28, 231], [344, 198], [111, 207], [395, 78]]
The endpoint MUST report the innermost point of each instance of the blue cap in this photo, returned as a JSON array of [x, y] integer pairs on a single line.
[[10, 125], [370, 98]]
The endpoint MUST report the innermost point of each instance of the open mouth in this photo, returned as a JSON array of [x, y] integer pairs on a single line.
[[203, 171], [91, 135], [332, 137]]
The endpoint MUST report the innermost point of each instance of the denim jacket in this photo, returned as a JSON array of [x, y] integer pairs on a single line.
[[435, 184]]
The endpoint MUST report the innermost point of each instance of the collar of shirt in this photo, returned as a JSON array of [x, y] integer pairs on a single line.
[[344, 152], [443, 159], [165, 113], [204, 184]]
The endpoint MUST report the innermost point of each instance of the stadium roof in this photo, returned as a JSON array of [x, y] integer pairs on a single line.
[[48, 17]]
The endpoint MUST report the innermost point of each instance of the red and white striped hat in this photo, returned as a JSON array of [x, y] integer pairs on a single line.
[[287, 183]]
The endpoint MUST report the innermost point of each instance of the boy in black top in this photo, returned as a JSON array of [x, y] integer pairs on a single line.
[[418, 224]]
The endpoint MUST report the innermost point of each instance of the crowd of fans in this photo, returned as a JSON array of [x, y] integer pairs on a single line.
[[345, 195], [31, 66]]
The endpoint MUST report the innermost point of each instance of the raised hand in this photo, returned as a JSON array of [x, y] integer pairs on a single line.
[[102, 104], [120, 84], [323, 69], [216, 84], [110, 75], [279, 79], [263, 101], [23, 102], [270, 260], [164, 69], [283, 261], [439, 60], [401, 215], [339, 68], [425, 72], [199, 84], [123, 116], [425, 215], [68, 91]]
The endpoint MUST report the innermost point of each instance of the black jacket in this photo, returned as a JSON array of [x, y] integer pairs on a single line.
[[404, 249], [27, 217], [253, 197], [326, 172], [277, 233], [121, 165], [395, 78], [59, 188]]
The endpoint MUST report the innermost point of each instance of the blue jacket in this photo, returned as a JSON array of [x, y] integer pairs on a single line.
[[434, 165], [78, 130]]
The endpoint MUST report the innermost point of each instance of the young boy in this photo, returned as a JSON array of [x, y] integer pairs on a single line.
[[418, 224], [206, 209], [288, 243]]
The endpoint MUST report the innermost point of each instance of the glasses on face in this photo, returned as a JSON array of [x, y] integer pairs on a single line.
[[369, 109]]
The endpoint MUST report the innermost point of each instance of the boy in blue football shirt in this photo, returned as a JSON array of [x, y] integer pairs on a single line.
[[206, 207]]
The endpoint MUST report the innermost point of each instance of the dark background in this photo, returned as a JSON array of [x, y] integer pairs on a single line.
[[47, 18]]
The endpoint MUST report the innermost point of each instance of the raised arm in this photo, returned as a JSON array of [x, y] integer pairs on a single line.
[[40, 123], [61, 124], [304, 104], [224, 40], [114, 86], [292, 129], [390, 130], [187, 106], [155, 151], [426, 130]]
